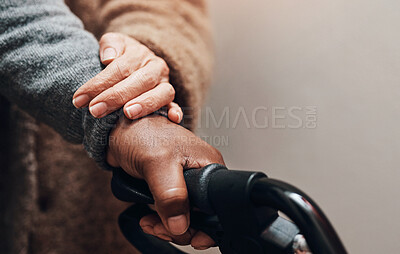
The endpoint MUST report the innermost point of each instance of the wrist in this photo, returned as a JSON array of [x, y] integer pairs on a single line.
[[123, 134]]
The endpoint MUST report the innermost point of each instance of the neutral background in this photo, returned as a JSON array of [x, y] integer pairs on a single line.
[[343, 57]]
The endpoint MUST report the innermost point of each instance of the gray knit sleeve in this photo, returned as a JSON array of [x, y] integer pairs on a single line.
[[45, 56]]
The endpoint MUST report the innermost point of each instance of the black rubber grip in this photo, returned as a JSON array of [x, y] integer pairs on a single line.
[[130, 189]]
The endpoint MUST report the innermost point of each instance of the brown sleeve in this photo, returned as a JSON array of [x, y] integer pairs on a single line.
[[176, 30]]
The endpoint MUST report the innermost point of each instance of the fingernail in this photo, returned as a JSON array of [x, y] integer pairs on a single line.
[[179, 117], [178, 224], [80, 101], [164, 237], [134, 110], [109, 53], [98, 109]]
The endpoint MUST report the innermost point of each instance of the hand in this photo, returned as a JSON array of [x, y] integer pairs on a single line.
[[135, 78], [158, 150]]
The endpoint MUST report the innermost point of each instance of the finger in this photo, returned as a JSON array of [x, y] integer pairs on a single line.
[[148, 222], [185, 238], [148, 230], [170, 194], [202, 241], [161, 232], [150, 101], [112, 45], [118, 70], [139, 82], [175, 113]]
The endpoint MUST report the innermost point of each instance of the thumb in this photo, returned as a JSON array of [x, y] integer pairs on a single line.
[[175, 113], [112, 45], [170, 194]]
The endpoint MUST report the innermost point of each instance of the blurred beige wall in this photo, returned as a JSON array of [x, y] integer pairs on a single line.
[[340, 57]]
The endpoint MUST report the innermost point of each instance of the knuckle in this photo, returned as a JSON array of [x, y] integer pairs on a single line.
[[150, 78], [118, 96], [145, 78], [141, 52], [122, 70], [159, 154], [172, 196], [164, 69], [98, 84], [159, 229], [216, 154], [107, 37], [145, 50], [139, 77], [151, 103], [170, 91]]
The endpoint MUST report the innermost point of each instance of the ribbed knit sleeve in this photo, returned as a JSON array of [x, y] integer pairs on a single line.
[[45, 56]]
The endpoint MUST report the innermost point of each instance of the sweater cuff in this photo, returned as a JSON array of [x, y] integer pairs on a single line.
[[96, 138], [98, 131]]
